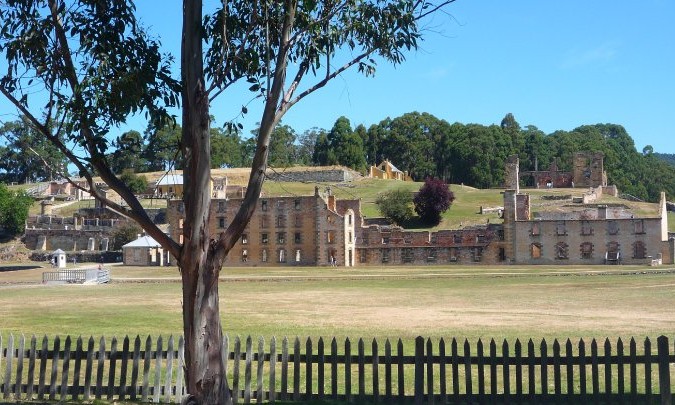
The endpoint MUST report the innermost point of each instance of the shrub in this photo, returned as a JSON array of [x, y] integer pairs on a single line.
[[433, 199], [395, 205]]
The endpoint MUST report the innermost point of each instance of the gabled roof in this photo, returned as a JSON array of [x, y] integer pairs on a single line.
[[391, 166], [143, 241], [170, 180]]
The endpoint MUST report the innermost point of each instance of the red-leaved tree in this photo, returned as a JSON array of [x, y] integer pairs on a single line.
[[433, 199]]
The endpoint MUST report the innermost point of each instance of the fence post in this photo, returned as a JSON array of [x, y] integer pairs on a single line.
[[664, 370], [419, 370]]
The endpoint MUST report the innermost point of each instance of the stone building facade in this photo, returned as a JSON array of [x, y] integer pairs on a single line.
[[299, 231], [586, 234]]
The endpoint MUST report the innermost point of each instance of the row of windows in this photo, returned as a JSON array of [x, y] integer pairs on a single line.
[[587, 228], [264, 205], [587, 250], [428, 254], [457, 239], [264, 222], [281, 255]]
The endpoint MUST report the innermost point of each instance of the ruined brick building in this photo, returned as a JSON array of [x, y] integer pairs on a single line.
[[321, 230]]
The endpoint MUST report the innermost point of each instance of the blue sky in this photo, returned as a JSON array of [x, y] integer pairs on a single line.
[[553, 64]]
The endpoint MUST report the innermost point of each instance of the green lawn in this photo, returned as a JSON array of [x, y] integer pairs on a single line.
[[462, 302]]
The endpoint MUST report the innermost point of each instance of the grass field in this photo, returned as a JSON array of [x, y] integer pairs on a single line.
[[462, 302]]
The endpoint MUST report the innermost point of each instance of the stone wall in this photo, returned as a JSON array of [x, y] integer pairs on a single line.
[[337, 175]]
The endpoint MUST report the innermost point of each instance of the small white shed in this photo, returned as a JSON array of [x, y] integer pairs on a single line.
[[59, 258], [144, 251]]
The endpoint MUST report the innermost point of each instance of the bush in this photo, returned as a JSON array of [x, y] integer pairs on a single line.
[[136, 183], [14, 208], [433, 199], [124, 234], [395, 205]]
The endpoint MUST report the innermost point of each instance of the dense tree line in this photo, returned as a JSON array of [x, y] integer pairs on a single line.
[[418, 143]]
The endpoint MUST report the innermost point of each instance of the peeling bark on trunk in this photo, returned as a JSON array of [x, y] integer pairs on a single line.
[[203, 335]]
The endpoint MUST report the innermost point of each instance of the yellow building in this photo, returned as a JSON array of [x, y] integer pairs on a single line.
[[387, 171]]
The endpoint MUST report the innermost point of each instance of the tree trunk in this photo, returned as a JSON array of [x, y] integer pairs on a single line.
[[203, 335], [200, 261]]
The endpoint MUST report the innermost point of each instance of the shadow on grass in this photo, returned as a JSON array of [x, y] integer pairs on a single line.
[[415, 223], [17, 268]]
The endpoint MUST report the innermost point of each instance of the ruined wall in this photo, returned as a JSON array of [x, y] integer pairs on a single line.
[[320, 176], [588, 169]]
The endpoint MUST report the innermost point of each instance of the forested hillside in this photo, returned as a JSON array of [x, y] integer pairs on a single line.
[[666, 157], [419, 143]]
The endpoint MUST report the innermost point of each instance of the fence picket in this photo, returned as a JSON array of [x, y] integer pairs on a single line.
[[557, 378], [348, 370], [308, 369], [388, 397], [544, 367], [361, 371], [582, 371], [518, 353], [247, 370], [8, 366], [157, 388], [31, 366], [455, 369], [400, 374], [89, 367], [112, 368], [481, 371], [595, 372], [284, 369], [273, 370], [633, 369], [430, 372], [55, 369], [442, 370], [619, 368], [123, 369], [664, 370], [169, 370], [569, 370], [467, 371], [261, 366], [235, 371], [135, 366], [66, 366], [99, 368], [146, 369], [296, 369], [334, 369], [608, 370], [320, 370], [19, 367], [648, 368], [224, 356], [531, 386], [376, 375], [43, 369], [505, 370], [77, 369], [493, 370], [419, 370]]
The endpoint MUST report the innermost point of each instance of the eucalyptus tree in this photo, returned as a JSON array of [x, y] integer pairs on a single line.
[[96, 65]]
